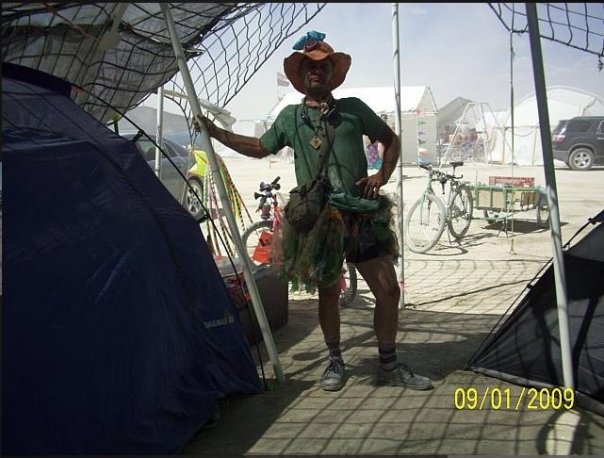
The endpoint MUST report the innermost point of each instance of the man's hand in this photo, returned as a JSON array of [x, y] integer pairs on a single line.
[[200, 120], [370, 186], [248, 146]]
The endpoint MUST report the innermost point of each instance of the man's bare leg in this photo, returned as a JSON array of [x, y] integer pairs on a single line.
[[329, 319], [329, 312], [381, 278]]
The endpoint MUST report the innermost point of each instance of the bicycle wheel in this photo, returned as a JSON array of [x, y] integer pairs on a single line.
[[425, 223], [257, 242], [348, 284], [460, 212]]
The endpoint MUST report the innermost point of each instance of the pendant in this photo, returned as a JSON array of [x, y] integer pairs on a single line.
[[315, 142]]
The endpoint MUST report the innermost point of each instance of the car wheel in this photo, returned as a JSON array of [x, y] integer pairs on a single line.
[[194, 205], [581, 159]]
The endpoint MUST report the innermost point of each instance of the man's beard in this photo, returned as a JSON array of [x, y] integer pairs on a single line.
[[319, 91]]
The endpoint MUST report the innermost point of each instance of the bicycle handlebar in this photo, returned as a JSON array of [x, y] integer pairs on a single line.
[[442, 176], [266, 191], [267, 187]]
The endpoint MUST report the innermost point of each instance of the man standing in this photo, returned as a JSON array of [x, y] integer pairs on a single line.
[[356, 220]]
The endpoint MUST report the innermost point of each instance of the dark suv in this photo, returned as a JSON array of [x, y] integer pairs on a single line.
[[579, 142]]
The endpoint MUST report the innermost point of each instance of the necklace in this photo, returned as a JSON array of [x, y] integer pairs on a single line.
[[324, 108], [316, 141]]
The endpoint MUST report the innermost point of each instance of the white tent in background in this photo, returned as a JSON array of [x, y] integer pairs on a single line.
[[490, 127], [563, 103], [450, 113], [418, 115]]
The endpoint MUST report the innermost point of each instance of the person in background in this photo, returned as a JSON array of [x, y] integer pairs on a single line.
[[356, 222], [372, 151], [446, 134]]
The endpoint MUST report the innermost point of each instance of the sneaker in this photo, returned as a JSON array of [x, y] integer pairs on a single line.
[[403, 376], [333, 377]]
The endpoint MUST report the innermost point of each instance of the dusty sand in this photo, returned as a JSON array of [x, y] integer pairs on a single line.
[[454, 295]]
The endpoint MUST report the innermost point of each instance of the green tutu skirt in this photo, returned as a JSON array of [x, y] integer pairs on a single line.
[[315, 259]]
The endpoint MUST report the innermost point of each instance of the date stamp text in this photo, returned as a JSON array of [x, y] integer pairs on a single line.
[[495, 398]]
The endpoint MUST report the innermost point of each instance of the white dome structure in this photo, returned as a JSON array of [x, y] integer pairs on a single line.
[[562, 103]]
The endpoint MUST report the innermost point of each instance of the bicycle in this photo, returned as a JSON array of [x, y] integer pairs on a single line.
[[427, 217], [257, 238]]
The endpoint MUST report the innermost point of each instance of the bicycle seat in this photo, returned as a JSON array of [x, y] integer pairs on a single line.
[[456, 163]]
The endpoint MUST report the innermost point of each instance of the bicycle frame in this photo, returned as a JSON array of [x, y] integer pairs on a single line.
[[452, 184], [435, 176], [458, 202], [452, 206]]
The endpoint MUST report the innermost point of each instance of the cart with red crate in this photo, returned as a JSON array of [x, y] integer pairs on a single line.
[[505, 196]]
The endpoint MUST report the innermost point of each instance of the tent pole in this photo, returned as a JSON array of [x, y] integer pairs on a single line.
[[484, 123], [226, 205], [512, 120], [159, 129], [488, 139], [399, 179], [512, 94], [552, 195]]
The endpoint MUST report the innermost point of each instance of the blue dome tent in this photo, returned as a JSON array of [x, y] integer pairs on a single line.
[[119, 335]]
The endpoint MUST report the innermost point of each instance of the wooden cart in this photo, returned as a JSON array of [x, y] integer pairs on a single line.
[[505, 196]]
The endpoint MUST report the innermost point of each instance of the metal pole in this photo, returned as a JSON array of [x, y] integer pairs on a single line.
[[512, 151], [484, 123], [552, 196], [511, 95], [488, 138], [399, 179], [455, 132], [159, 129], [226, 205]]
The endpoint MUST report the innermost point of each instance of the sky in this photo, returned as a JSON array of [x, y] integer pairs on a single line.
[[457, 49]]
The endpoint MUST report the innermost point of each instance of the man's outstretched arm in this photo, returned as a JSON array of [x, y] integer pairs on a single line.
[[248, 146]]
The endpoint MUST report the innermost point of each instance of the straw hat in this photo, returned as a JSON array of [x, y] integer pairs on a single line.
[[313, 47]]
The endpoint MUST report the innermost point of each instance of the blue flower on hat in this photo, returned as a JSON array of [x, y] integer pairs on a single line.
[[311, 36]]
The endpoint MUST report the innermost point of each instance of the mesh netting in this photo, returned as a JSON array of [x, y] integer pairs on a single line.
[[224, 43], [578, 25], [117, 54]]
